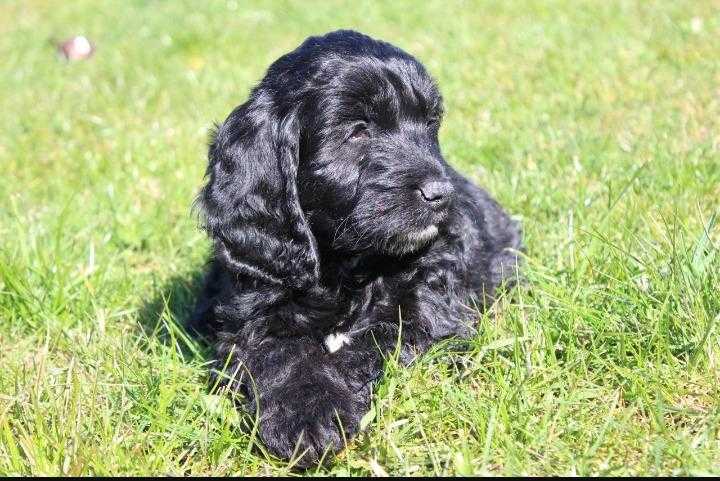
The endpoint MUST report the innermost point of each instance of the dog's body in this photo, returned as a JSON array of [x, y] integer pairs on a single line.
[[338, 227]]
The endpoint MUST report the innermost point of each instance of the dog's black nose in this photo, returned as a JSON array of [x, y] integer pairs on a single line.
[[437, 193]]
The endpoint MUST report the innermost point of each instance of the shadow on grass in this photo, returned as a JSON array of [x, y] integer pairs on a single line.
[[165, 316]]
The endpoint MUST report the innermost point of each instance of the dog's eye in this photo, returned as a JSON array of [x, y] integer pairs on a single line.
[[360, 132]]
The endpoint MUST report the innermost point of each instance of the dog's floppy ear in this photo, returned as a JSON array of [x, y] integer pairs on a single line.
[[250, 202]]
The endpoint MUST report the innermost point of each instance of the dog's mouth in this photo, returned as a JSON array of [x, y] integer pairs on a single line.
[[413, 241]]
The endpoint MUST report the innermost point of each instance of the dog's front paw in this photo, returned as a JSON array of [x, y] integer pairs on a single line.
[[309, 423]]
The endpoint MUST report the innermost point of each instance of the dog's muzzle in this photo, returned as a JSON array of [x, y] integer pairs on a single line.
[[436, 193]]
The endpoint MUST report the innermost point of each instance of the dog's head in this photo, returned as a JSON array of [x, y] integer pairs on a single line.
[[336, 148]]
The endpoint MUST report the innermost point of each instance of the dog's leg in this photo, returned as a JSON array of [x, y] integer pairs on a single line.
[[308, 408], [310, 398]]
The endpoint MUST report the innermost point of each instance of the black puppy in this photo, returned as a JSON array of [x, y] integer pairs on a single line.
[[337, 227]]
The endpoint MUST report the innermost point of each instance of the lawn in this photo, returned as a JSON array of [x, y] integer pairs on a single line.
[[597, 123]]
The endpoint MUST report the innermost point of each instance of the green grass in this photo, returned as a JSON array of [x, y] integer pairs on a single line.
[[595, 122]]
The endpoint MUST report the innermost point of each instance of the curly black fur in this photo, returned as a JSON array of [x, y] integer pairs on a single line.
[[335, 218]]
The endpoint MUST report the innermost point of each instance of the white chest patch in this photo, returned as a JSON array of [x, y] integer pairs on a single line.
[[334, 342]]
